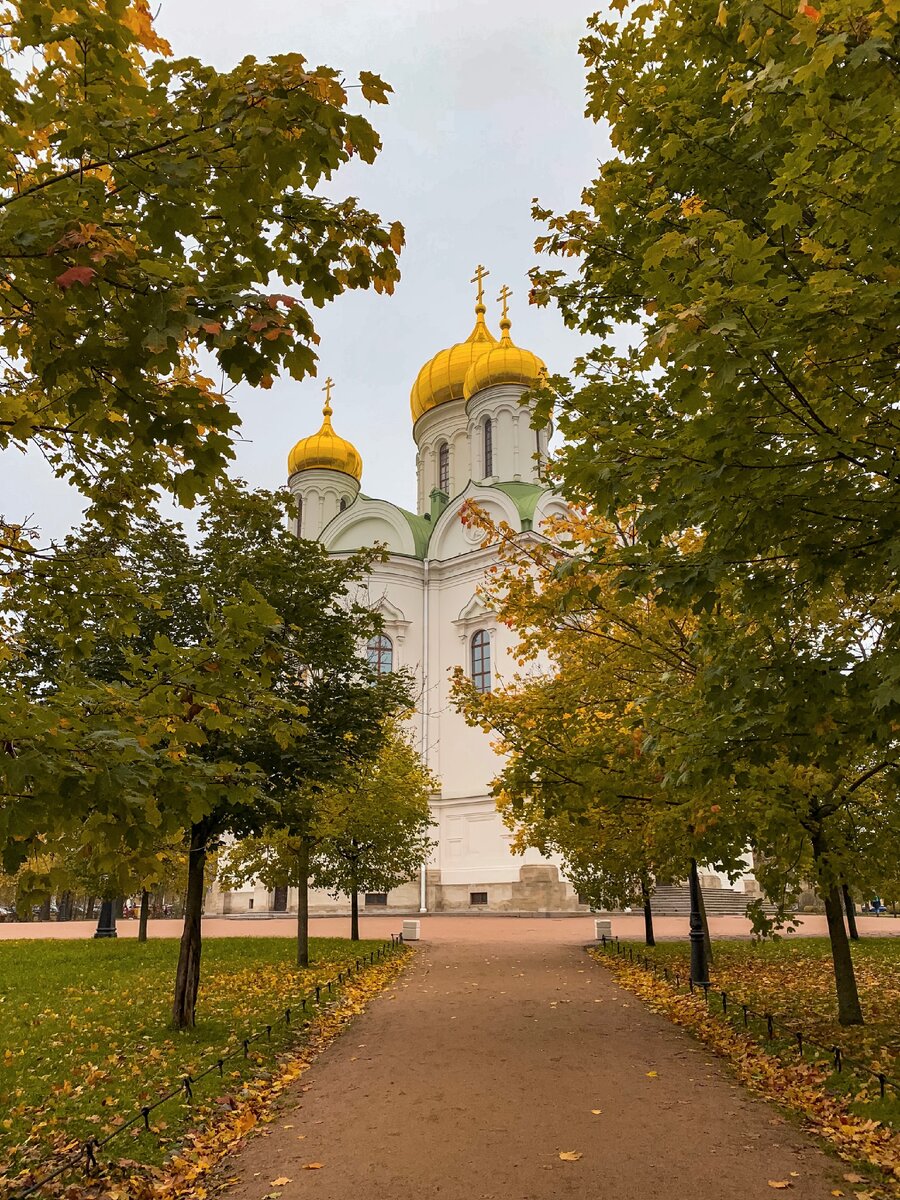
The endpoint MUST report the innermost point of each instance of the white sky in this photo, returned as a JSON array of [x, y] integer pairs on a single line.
[[487, 112]]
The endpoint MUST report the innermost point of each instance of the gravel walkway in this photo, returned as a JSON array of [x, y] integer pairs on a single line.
[[484, 1062]]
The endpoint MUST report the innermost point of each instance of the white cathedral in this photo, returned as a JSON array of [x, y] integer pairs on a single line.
[[474, 441]]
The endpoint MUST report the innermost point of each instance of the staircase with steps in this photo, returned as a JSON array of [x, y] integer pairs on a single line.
[[675, 901]]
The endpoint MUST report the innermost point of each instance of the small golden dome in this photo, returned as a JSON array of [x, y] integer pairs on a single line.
[[504, 362], [442, 377], [325, 449]]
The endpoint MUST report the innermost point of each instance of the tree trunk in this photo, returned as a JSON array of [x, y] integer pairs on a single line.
[[187, 977], [144, 914], [354, 903], [62, 911], [44, 914], [849, 1007], [851, 913], [89, 912], [303, 904], [649, 939], [706, 938]]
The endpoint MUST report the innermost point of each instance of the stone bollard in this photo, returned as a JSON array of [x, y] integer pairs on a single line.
[[410, 931], [602, 929]]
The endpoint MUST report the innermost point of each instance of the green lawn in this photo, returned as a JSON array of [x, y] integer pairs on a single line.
[[85, 1039], [793, 980]]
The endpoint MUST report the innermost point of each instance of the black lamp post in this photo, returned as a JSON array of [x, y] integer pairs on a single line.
[[106, 922], [699, 972]]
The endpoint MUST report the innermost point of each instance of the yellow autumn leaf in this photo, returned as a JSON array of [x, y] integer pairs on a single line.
[[780, 1183], [652, 1075], [596, 1111], [692, 205], [570, 1155], [313, 1166], [280, 1181]]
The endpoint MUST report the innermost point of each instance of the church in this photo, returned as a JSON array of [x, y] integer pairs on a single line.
[[474, 441]]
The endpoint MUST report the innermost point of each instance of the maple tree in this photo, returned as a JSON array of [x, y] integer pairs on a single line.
[[586, 773], [374, 823], [358, 825], [744, 229], [160, 219], [743, 233], [149, 679], [641, 735]]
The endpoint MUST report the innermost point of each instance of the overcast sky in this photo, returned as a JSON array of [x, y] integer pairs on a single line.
[[487, 112]]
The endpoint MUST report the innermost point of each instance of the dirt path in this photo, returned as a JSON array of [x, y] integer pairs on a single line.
[[484, 1062]]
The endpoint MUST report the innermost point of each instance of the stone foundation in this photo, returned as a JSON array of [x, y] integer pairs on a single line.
[[538, 889]]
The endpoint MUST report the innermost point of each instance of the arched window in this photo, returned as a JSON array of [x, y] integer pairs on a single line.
[[343, 504], [481, 660], [488, 447], [380, 653], [299, 527], [444, 468]]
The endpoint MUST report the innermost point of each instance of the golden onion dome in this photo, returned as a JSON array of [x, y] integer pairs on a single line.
[[443, 376], [326, 449], [503, 363]]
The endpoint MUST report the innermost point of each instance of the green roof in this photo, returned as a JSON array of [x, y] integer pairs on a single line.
[[525, 497], [421, 530]]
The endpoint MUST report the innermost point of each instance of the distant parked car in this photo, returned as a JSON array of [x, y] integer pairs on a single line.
[[7, 914]]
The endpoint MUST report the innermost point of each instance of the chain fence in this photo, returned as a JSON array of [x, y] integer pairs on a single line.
[[729, 1006], [85, 1154]]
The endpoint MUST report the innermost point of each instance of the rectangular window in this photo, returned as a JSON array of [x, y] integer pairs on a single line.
[[376, 899], [444, 469], [488, 447], [477, 898]]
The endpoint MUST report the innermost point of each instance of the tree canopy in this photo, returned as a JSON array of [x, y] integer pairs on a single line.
[[741, 242], [160, 222]]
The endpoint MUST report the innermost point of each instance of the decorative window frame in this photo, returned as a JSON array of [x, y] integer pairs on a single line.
[[475, 615], [394, 624]]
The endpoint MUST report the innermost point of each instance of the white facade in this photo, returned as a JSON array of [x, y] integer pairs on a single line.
[[472, 444], [427, 594]]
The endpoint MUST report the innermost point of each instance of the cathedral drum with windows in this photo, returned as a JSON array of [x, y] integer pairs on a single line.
[[474, 441]]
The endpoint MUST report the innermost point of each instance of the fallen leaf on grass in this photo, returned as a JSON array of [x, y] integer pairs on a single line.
[[281, 1181], [652, 1075], [852, 1177], [570, 1155]]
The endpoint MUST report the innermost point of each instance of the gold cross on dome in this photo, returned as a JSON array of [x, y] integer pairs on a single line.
[[478, 277], [329, 384], [503, 298]]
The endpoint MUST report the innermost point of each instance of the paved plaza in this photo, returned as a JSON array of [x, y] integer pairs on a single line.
[[570, 930]]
